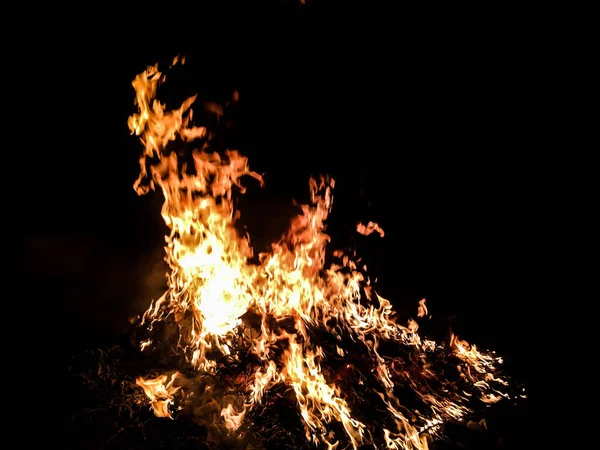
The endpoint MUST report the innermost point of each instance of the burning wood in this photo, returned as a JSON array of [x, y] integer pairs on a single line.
[[289, 328]]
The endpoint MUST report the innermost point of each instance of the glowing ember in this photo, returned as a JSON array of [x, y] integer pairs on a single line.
[[287, 320]]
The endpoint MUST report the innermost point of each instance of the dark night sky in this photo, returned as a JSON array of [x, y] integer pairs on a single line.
[[426, 121]]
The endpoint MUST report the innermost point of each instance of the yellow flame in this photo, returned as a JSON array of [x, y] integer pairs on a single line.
[[160, 391], [212, 284]]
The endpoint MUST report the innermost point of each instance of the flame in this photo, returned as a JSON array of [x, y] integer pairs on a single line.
[[422, 310], [160, 391], [369, 228], [232, 419], [212, 284]]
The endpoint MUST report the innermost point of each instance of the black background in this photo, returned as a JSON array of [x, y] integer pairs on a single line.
[[427, 120]]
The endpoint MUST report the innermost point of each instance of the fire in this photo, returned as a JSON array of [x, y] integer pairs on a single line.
[[226, 307], [160, 391]]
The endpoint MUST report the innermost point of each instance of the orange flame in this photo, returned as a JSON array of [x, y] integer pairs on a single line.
[[160, 391], [212, 284], [369, 228]]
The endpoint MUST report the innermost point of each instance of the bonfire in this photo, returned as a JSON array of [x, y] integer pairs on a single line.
[[256, 349]]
